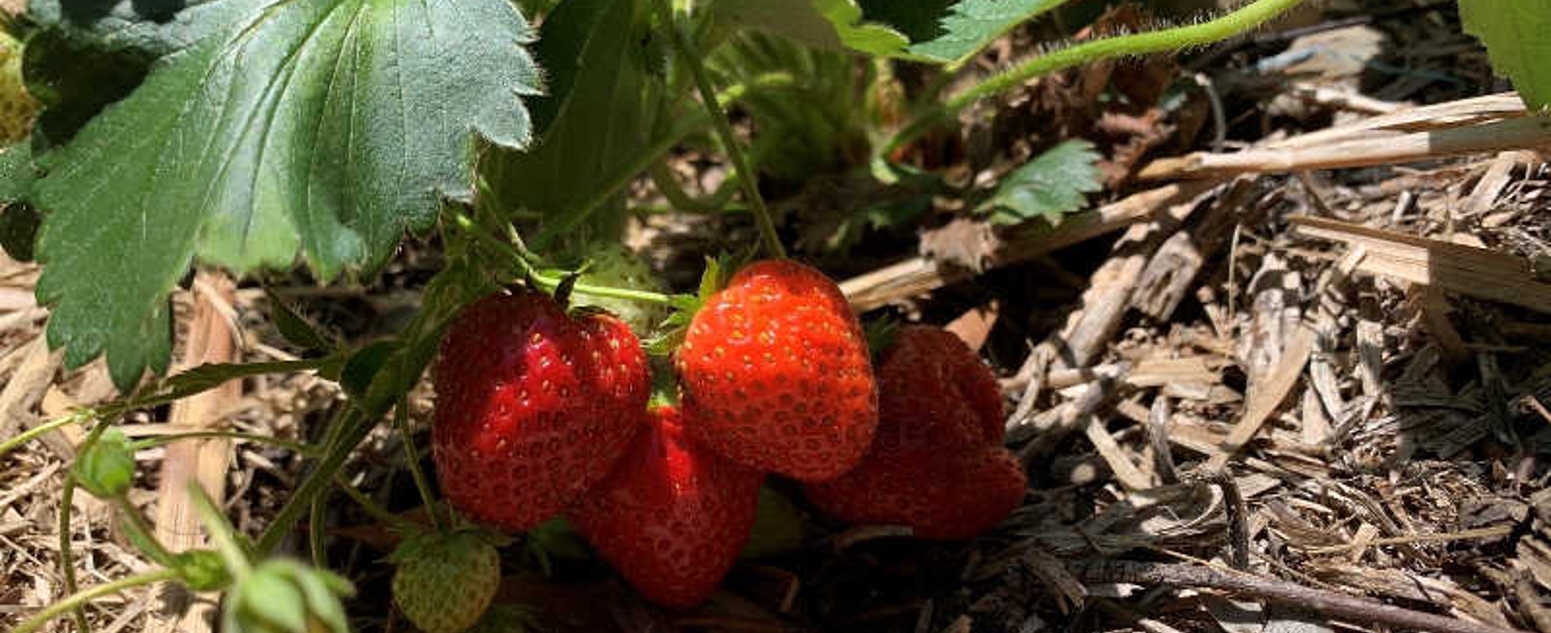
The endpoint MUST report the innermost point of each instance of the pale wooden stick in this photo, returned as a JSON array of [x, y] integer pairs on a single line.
[[1506, 134], [1450, 267], [210, 340], [919, 275]]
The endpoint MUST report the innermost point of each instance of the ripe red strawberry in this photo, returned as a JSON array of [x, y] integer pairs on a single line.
[[533, 406], [775, 374], [445, 581], [928, 374], [937, 464], [673, 515], [943, 495]]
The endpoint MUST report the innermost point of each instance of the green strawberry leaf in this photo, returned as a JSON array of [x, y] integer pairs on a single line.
[[16, 171], [85, 55], [778, 527], [362, 368], [270, 600], [18, 221], [880, 333], [1514, 33], [950, 33], [1049, 186], [146, 30], [932, 31], [670, 333], [325, 127], [826, 24], [597, 124], [295, 328]]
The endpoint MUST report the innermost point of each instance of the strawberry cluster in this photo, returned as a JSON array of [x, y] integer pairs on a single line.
[[541, 412]]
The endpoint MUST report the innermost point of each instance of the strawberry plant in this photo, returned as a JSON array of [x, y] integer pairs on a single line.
[[258, 137]]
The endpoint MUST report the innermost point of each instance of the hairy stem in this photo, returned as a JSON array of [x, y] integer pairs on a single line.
[[1243, 19], [80, 598], [740, 162]]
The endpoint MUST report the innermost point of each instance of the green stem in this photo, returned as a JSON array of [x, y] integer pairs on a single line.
[[66, 557], [355, 429], [549, 282], [222, 535], [141, 533], [78, 599], [371, 507], [686, 51], [298, 447], [401, 420], [74, 417], [66, 504], [315, 532], [1245, 18]]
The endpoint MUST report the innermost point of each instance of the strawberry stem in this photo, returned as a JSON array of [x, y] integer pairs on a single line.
[[371, 507], [551, 282], [222, 536], [77, 416], [401, 421], [686, 51], [66, 553]]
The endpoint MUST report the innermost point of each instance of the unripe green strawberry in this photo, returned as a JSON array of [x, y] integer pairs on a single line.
[[614, 266], [445, 581]]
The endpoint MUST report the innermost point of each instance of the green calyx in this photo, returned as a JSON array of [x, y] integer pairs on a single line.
[[285, 596], [880, 335], [107, 467]]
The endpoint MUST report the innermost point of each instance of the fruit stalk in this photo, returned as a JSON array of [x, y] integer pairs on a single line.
[[381, 514], [80, 598], [74, 417], [740, 162], [220, 531], [548, 282], [66, 555], [423, 485]]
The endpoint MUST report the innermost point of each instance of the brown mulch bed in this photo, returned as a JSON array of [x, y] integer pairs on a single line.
[[1234, 418]]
